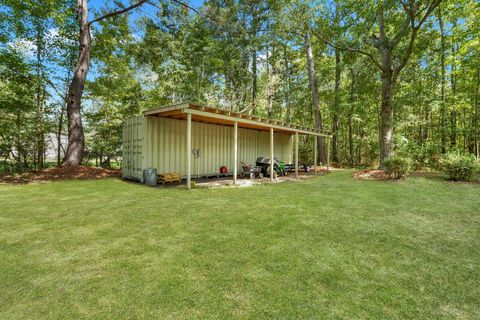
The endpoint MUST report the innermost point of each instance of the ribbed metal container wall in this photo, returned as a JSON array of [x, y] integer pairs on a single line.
[[133, 135], [164, 146]]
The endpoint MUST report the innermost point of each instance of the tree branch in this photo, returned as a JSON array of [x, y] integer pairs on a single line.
[[183, 4], [403, 30], [54, 87], [430, 9], [381, 21], [407, 54], [117, 12], [186, 5], [368, 54], [413, 34], [180, 3]]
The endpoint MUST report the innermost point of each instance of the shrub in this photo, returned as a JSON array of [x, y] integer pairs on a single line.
[[458, 167], [397, 167]]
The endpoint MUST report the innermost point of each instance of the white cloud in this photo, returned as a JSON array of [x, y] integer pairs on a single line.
[[25, 47], [146, 76]]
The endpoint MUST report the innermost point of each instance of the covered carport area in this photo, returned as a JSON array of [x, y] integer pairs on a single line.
[[191, 112]]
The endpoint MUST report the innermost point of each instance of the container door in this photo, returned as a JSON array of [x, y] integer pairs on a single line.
[[132, 148]]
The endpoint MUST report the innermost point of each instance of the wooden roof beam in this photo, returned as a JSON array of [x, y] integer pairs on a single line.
[[250, 122]]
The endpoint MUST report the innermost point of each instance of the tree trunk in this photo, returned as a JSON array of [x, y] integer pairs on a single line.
[[76, 139], [427, 116], [360, 145], [475, 124], [60, 120], [336, 118], [453, 84], [391, 69], [386, 117], [254, 80], [287, 92], [40, 95], [269, 89], [322, 158], [443, 139], [349, 120]]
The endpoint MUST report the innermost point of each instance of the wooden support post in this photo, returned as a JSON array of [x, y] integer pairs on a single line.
[[189, 150], [315, 141], [235, 151], [271, 155], [296, 154], [328, 154]]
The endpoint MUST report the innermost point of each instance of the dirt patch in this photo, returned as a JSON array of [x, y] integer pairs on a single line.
[[60, 173], [321, 169], [245, 182], [371, 174]]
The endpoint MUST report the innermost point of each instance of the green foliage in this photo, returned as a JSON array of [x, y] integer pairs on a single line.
[[116, 93], [247, 56], [424, 156], [34, 61], [398, 167], [458, 167], [17, 113]]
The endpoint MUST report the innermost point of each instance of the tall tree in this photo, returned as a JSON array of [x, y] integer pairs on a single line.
[[443, 77], [393, 38], [336, 107], [336, 103], [322, 157], [76, 139]]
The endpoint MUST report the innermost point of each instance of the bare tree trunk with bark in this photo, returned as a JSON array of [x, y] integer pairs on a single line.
[[476, 106], [322, 158], [453, 84], [40, 96], [443, 130], [336, 117], [350, 115], [254, 80], [386, 117], [269, 90], [76, 139]]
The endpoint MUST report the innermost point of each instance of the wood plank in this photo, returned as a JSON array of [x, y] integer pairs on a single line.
[[225, 117], [163, 109]]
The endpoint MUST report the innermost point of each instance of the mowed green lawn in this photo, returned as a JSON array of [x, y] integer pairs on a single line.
[[329, 247]]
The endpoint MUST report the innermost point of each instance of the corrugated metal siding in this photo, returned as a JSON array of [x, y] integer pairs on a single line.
[[133, 148], [164, 146]]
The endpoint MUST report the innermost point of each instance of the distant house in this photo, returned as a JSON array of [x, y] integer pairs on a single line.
[[51, 146]]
